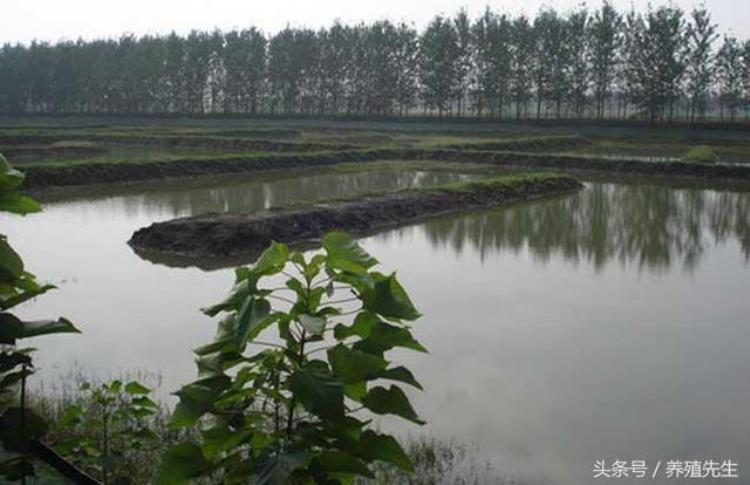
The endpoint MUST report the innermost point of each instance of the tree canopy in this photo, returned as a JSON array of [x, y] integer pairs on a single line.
[[658, 65]]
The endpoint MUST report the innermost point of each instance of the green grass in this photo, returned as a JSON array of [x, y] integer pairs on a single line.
[[500, 183], [702, 154], [730, 151]]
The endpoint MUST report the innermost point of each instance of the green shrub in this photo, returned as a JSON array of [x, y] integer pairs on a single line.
[[111, 430], [702, 154], [287, 409], [19, 426]]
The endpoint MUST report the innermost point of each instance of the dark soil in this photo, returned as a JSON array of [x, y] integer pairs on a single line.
[[227, 235], [49, 151]]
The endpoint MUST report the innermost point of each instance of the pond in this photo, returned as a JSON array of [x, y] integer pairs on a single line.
[[611, 324]]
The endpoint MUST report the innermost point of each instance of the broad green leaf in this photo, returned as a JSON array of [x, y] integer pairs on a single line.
[[388, 299], [210, 365], [46, 327], [362, 282], [238, 294], [136, 388], [115, 386], [197, 399], [144, 402], [71, 417], [252, 319], [12, 378], [10, 261], [10, 328], [297, 286], [313, 324], [18, 204], [142, 412], [24, 296], [180, 463], [313, 299], [319, 391], [356, 390], [354, 365], [373, 446], [9, 360], [312, 269], [272, 260], [384, 337], [225, 339], [401, 374], [10, 179], [220, 438], [340, 462], [390, 401], [278, 469], [362, 326], [345, 254]]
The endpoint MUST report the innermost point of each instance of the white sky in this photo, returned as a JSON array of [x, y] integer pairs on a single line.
[[52, 20]]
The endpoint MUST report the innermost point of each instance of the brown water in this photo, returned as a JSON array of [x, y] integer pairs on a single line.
[[612, 324]]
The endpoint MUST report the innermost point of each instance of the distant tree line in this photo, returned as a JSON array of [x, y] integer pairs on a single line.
[[660, 65]]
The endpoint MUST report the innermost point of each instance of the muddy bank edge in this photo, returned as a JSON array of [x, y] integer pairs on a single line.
[[227, 235]]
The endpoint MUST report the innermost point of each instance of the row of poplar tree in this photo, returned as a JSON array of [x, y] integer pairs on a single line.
[[663, 64]]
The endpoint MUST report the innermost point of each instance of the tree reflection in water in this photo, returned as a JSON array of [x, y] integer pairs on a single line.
[[655, 227]]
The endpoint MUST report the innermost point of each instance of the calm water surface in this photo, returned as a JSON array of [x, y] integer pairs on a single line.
[[612, 324]]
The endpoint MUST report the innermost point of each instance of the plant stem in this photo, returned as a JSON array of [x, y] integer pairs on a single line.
[[293, 403], [344, 300], [300, 360], [105, 444]]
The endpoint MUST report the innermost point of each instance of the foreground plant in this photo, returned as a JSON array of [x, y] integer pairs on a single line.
[[108, 431], [294, 407], [19, 426]]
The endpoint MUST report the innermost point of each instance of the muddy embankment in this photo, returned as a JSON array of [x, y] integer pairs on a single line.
[[40, 176], [61, 175], [228, 235], [587, 164], [206, 142], [48, 151]]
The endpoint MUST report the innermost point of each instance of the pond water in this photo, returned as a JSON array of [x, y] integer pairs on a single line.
[[611, 324]]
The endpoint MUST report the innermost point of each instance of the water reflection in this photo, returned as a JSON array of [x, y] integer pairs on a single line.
[[650, 226], [544, 367], [248, 193]]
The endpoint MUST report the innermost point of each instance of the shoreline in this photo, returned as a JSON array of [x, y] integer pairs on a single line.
[[85, 174], [232, 235]]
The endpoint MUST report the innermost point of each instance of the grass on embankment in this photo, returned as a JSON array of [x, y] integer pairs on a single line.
[[521, 143], [49, 175], [576, 163], [657, 149]]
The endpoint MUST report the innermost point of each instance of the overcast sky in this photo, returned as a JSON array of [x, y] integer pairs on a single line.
[[52, 20]]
